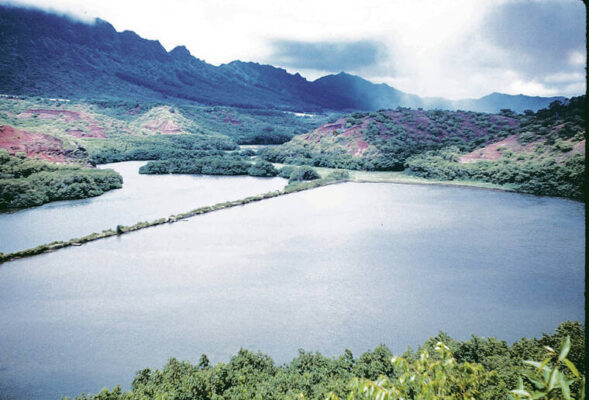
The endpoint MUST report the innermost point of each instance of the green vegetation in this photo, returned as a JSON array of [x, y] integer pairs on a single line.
[[303, 173], [220, 164], [548, 381], [208, 165], [384, 139], [118, 130], [262, 168], [183, 147], [541, 153], [26, 183], [253, 126], [527, 173], [442, 368], [544, 169], [439, 377]]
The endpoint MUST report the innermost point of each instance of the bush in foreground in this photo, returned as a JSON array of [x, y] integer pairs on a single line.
[[442, 368]]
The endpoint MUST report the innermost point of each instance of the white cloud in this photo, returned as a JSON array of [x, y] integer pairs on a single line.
[[577, 58], [435, 48], [564, 77]]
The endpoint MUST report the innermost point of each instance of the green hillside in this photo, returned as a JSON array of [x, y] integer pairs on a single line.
[[541, 153]]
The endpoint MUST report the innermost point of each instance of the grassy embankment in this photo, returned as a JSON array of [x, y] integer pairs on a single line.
[[402, 177]]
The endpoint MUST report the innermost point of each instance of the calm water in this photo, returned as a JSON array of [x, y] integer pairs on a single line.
[[344, 266], [142, 198]]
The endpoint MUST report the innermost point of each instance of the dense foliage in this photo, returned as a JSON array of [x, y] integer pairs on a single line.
[[208, 165], [227, 163], [123, 130], [156, 148], [26, 183], [262, 168], [527, 174], [480, 368], [540, 153], [549, 167], [304, 173], [444, 377], [384, 139]]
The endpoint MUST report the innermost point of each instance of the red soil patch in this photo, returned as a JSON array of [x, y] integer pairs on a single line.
[[579, 148], [167, 127], [357, 146], [361, 147], [329, 128], [228, 120], [134, 110], [47, 114], [34, 145], [96, 130], [76, 133], [492, 152], [355, 143]]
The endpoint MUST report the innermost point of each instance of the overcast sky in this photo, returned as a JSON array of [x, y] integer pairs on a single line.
[[447, 48]]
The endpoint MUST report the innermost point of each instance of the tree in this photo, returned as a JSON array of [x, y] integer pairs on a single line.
[[262, 168], [304, 173]]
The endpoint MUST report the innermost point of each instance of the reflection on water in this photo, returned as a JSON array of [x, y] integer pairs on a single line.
[[142, 198], [343, 266]]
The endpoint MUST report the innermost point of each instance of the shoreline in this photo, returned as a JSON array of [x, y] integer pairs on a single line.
[[123, 229], [386, 177], [460, 184]]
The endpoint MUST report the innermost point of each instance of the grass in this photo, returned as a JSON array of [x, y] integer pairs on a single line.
[[402, 177]]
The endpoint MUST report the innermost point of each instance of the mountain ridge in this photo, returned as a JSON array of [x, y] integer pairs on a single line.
[[44, 54]]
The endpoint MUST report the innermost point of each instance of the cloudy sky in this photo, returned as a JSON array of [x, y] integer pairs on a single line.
[[448, 48]]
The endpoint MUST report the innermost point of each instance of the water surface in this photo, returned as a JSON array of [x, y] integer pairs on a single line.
[[142, 198], [344, 266]]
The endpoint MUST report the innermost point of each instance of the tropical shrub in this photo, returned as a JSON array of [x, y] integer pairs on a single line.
[[27, 183]]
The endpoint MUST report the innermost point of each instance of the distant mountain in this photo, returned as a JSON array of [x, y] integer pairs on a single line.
[[496, 101], [353, 92], [49, 55]]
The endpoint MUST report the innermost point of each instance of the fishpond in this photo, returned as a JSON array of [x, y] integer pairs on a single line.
[[343, 266], [142, 198]]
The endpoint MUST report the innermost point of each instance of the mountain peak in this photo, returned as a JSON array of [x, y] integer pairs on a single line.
[[99, 22], [103, 63], [180, 52]]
